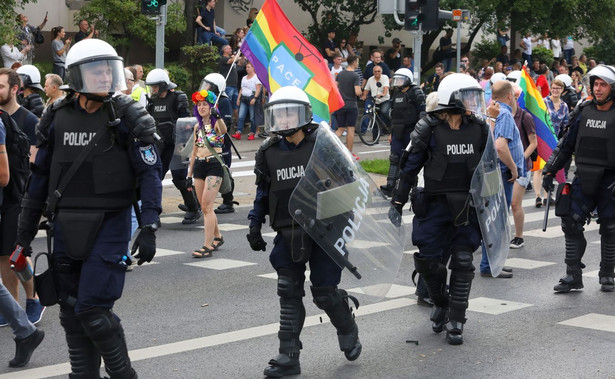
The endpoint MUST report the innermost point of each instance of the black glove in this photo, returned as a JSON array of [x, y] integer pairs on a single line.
[[214, 113], [189, 182], [547, 182], [255, 238], [395, 213], [146, 243]]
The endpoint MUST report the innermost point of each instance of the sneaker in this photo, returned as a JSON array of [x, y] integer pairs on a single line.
[[538, 202], [236, 136], [344, 133], [34, 310], [263, 135], [251, 137], [516, 243], [551, 201], [3, 322]]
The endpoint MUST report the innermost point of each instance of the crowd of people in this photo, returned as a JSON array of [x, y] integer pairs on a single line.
[[140, 112]]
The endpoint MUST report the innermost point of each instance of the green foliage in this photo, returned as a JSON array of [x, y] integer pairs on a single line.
[[485, 49], [120, 20], [376, 166], [543, 54], [202, 60], [602, 51], [8, 18]]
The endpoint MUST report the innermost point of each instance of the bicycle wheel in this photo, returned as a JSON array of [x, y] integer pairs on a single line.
[[368, 130]]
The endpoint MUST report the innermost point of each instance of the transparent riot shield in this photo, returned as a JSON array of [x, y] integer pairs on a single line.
[[342, 209], [184, 141], [490, 202]]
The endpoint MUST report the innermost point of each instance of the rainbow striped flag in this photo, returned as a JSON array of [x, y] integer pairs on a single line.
[[531, 100], [282, 57]]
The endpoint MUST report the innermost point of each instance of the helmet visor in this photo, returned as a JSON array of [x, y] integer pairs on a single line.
[[472, 100], [104, 76], [400, 81], [208, 86], [286, 116]]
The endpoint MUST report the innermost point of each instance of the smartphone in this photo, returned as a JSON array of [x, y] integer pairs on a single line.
[[46, 13]]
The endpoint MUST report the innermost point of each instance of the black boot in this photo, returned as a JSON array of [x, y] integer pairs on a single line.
[[83, 355], [25, 347], [292, 316], [607, 261], [227, 201], [193, 213], [434, 274], [334, 302], [387, 189], [575, 247], [462, 274], [107, 334]]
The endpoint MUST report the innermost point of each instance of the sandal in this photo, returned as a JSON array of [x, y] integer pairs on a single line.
[[203, 252], [217, 245]]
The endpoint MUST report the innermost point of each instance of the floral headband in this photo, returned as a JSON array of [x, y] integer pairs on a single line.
[[204, 95]]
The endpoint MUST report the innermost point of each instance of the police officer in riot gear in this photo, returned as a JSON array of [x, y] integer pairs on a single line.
[[448, 143], [166, 107], [569, 95], [288, 115], [83, 141], [590, 137], [408, 106], [31, 84]]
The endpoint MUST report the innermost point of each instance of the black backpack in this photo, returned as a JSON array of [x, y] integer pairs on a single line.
[[18, 151]]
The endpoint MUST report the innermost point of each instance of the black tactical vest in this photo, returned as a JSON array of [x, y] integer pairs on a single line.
[[105, 180], [285, 169], [596, 138], [163, 109], [454, 158], [404, 112]]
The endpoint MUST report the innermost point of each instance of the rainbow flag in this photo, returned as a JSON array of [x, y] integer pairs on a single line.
[[282, 56], [531, 100]]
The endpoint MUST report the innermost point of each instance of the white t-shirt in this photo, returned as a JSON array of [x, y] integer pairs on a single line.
[[528, 46], [374, 90], [248, 86], [335, 71], [556, 47], [10, 55], [569, 43]]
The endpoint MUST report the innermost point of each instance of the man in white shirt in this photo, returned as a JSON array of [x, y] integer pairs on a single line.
[[11, 54], [378, 87]]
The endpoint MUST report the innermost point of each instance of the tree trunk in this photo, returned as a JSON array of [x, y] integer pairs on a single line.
[[189, 39]]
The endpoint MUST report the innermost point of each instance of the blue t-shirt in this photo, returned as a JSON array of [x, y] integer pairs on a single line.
[[505, 127]]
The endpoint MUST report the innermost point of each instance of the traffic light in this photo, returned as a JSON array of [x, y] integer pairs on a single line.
[[152, 7], [413, 15], [423, 12], [430, 11]]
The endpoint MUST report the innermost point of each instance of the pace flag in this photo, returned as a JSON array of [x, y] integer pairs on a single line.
[[282, 56]]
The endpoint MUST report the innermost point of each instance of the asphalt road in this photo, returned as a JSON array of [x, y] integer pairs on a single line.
[[218, 317]]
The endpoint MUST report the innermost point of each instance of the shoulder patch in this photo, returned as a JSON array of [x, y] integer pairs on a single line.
[[148, 154]]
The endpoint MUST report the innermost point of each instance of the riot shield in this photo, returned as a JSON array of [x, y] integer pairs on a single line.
[[490, 202], [343, 210], [184, 141]]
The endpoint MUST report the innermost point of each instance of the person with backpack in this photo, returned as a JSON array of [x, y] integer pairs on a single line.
[[20, 125]]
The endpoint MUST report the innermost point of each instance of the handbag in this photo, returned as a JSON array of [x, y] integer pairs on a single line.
[[39, 39], [225, 187]]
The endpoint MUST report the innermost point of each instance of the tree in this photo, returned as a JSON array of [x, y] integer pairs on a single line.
[[8, 18], [118, 21]]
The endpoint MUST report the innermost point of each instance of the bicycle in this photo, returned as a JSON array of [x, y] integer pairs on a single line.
[[371, 126]]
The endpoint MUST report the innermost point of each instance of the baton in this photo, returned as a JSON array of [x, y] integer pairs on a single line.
[[544, 223], [233, 145]]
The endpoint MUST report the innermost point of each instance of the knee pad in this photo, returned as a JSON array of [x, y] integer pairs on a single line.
[[69, 320], [326, 297], [394, 159], [572, 228], [607, 228], [99, 323], [461, 259], [290, 285]]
